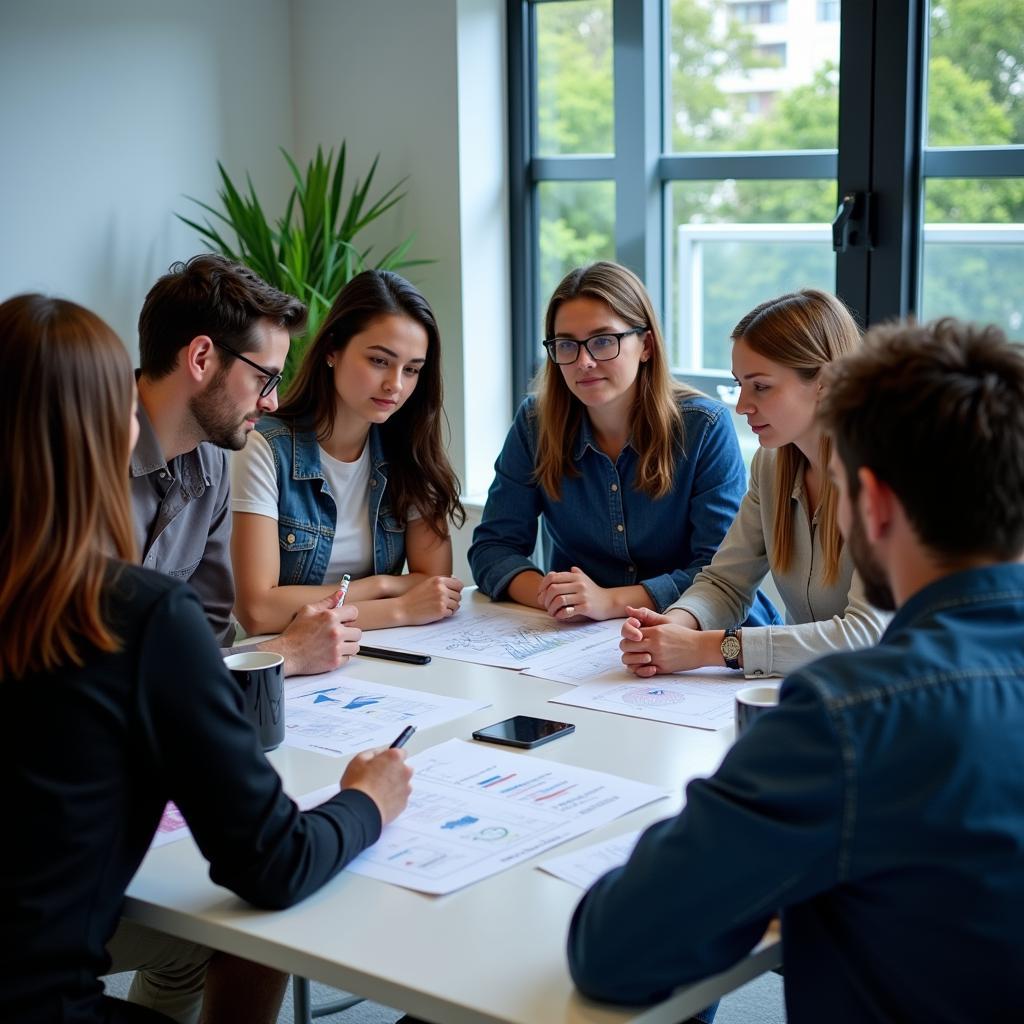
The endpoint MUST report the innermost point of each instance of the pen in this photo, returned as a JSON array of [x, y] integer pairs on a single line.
[[343, 588], [402, 656], [403, 737]]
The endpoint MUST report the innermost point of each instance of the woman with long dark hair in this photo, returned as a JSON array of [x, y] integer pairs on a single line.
[[350, 475], [116, 701]]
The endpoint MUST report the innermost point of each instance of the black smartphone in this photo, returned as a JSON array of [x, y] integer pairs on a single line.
[[523, 731]]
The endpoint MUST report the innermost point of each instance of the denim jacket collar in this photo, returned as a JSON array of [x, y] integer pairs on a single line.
[[1002, 582], [306, 452], [585, 439]]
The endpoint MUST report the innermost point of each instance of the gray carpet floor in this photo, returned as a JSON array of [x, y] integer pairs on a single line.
[[758, 1002]]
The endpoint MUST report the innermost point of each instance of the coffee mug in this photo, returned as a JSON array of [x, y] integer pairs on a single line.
[[752, 702], [260, 674]]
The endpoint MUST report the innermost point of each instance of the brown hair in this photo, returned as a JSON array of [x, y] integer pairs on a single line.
[[209, 295], [804, 331], [656, 426], [936, 412], [65, 404], [420, 475]]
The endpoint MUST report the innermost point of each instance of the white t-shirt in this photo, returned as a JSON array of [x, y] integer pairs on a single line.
[[254, 489]]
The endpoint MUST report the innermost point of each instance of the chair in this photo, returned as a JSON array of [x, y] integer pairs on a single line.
[[305, 1011]]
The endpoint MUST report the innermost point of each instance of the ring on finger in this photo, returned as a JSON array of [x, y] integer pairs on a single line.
[[570, 611]]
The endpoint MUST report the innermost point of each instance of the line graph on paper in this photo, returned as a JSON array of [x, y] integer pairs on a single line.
[[486, 633]]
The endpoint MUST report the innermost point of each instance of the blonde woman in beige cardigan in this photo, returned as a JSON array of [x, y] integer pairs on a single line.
[[786, 525]]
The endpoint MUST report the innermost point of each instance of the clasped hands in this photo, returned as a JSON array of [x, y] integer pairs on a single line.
[[573, 596], [653, 643]]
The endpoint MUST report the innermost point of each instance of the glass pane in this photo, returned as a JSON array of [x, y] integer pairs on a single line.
[[976, 73], [756, 76], [574, 77], [973, 261], [577, 225], [735, 244]]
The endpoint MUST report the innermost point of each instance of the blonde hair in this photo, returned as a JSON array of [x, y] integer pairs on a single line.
[[656, 426], [805, 331], [65, 406]]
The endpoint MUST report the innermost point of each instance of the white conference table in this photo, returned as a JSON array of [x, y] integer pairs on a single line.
[[492, 952]]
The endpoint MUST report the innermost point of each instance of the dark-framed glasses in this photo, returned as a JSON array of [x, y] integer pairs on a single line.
[[273, 379], [601, 347]]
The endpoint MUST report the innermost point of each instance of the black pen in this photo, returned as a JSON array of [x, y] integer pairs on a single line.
[[403, 737], [406, 659]]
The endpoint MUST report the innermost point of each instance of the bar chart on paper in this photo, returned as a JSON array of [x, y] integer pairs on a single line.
[[475, 812]]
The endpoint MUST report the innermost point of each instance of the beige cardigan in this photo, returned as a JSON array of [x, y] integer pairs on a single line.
[[820, 618]]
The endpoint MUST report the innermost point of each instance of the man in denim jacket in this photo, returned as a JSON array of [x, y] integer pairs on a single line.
[[880, 807]]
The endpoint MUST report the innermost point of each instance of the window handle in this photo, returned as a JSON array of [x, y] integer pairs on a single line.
[[851, 226]]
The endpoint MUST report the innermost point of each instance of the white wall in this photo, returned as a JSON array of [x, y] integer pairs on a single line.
[[423, 84], [110, 111]]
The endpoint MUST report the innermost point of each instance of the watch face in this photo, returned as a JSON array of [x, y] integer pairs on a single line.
[[730, 648]]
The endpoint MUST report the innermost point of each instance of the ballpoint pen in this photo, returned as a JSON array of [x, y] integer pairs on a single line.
[[343, 588], [403, 737]]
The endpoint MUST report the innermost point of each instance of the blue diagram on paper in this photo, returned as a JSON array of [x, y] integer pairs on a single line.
[[466, 819]]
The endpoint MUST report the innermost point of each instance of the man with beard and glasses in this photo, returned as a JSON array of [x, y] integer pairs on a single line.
[[213, 338], [878, 809]]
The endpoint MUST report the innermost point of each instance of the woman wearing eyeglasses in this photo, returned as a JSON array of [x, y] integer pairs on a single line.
[[788, 521], [350, 475], [635, 477]]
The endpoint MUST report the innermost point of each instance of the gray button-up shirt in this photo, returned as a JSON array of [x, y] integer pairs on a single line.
[[183, 520]]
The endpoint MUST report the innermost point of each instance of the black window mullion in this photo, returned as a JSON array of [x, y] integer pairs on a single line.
[[638, 129]]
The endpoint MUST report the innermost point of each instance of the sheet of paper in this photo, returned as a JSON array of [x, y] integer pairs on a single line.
[[704, 699], [599, 659], [585, 866], [339, 714], [501, 634], [477, 809]]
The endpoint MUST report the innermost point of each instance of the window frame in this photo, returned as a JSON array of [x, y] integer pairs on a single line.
[[881, 151]]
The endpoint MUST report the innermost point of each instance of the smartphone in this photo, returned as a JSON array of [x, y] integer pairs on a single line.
[[523, 731]]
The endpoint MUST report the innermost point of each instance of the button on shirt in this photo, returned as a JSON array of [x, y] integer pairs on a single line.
[[183, 521]]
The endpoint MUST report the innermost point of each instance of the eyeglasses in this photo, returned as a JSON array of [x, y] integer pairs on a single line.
[[273, 379], [601, 347]]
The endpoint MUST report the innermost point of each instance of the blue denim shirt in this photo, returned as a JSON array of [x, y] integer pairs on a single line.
[[307, 515], [616, 534], [880, 807]]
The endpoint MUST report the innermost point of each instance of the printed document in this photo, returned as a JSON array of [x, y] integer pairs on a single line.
[[583, 867], [339, 715], [477, 809]]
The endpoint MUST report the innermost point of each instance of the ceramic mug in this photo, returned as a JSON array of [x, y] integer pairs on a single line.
[[260, 674], [752, 702]]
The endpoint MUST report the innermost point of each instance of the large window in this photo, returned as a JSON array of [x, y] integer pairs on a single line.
[[708, 144]]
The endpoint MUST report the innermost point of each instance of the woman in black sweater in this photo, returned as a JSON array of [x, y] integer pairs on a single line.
[[114, 693]]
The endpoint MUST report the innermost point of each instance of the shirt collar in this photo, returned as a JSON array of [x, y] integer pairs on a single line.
[[148, 456], [585, 439], [968, 586]]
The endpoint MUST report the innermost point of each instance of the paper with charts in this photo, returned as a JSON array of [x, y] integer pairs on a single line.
[[702, 699], [583, 867], [486, 633], [338, 714], [476, 810]]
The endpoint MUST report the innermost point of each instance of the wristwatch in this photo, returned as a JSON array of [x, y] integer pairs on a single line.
[[731, 648]]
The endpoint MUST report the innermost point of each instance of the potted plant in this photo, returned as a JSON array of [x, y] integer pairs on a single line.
[[311, 251]]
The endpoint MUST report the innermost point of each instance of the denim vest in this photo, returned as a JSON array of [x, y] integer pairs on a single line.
[[307, 514]]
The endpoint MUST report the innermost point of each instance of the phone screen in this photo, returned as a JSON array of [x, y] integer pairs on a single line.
[[524, 731]]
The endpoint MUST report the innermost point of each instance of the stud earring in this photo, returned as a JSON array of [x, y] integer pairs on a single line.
[[330, 363]]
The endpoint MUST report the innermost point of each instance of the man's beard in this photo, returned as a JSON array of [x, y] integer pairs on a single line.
[[219, 422], [876, 586]]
